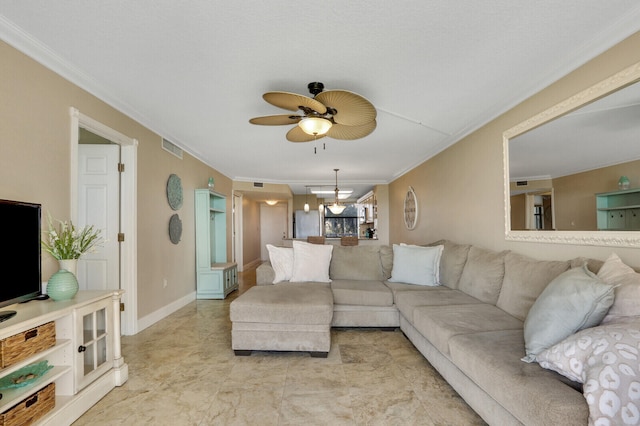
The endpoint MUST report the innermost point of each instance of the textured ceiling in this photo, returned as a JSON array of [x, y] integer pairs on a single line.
[[195, 71]]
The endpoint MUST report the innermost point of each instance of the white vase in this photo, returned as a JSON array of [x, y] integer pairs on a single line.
[[70, 265]]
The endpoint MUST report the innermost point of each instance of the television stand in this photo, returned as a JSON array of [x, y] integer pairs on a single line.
[[5, 315], [86, 357]]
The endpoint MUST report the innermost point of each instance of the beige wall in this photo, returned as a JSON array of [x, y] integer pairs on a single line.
[[250, 231], [35, 167], [460, 191]]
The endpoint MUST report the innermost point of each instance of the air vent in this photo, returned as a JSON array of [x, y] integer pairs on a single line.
[[522, 183], [258, 185], [172, 148]]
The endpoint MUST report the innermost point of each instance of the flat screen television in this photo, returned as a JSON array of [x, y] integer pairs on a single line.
[[20, 252]]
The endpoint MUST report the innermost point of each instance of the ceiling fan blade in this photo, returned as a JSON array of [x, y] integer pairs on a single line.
[[352, 109], [296, 134], [276, 120], [293, 102], [340, 131]]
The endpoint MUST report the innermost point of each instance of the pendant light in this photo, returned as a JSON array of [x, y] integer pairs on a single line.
[[336, 208], [306, 200]]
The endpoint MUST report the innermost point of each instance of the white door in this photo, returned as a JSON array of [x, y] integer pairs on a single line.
[[273, 227], [99, 205]]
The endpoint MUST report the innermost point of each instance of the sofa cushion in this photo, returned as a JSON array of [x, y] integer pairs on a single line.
[[311, 262], [281, 259], [386, 259], [287, 303], [439, 323], [593, 265], [361, 292], [416, 264], [483, 274], [452, 261], [575, 300], [524, 280], [356, 263], [407, 300], [534, 396], [626, 303], [265, 274]]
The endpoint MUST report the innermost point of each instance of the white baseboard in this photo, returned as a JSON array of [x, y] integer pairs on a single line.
[[165, 311], [253, 264]]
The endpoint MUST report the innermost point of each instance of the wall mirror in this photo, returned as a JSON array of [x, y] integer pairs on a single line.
[[562, 167]]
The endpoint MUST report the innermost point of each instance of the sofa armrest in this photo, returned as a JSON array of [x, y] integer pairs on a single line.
[[265, 274]]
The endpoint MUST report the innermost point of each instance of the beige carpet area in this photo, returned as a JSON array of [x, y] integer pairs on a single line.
[[182, 371]]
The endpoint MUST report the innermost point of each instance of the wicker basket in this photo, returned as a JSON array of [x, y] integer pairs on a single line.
[[28, 343], [30, 409]]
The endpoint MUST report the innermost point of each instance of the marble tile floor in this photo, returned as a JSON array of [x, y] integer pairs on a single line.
[[182, 371]]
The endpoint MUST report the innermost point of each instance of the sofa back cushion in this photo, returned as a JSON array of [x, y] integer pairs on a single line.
[[524, 280], [452, 261], [356, 263], [483, 274], [386, 259]]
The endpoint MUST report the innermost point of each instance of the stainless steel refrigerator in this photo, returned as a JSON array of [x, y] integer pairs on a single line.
[[306, 224]]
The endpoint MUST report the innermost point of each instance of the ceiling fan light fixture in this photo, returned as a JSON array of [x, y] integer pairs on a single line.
[[315, 126]]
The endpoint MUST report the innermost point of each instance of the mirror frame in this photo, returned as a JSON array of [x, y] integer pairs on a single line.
[[617, 81]]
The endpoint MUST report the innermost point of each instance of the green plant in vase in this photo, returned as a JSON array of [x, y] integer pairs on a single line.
[[66, 244]]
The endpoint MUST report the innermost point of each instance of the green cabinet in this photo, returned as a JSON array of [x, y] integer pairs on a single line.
[[618, 210], [215, 278]]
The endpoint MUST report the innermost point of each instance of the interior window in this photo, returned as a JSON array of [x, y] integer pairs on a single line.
[[343, 224]]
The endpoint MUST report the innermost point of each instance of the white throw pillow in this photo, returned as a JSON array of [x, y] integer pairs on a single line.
[[416, 264], [576, 299], [281, 261], [311, 262], [605, 359], [627, 292]]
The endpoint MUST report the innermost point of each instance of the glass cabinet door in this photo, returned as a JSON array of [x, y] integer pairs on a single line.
[[93, 340]]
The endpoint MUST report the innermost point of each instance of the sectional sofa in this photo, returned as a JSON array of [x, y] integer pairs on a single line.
[[474, 318]]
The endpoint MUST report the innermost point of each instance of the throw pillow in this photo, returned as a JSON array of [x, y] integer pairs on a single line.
[[416, 265], [627, 291], [576, 299], [311, 262], [281, 261], [606, 359]]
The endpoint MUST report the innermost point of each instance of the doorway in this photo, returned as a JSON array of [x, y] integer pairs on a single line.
[[273, 227], [126, 210]]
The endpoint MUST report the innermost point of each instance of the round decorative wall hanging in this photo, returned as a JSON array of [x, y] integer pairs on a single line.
[[410, 209], [174, 192], [175, 228]]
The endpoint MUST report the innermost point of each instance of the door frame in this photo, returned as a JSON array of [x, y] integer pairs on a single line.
[[128, 207], [236, 240]]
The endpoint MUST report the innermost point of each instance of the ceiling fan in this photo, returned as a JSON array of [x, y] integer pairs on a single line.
[[338, 114]]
